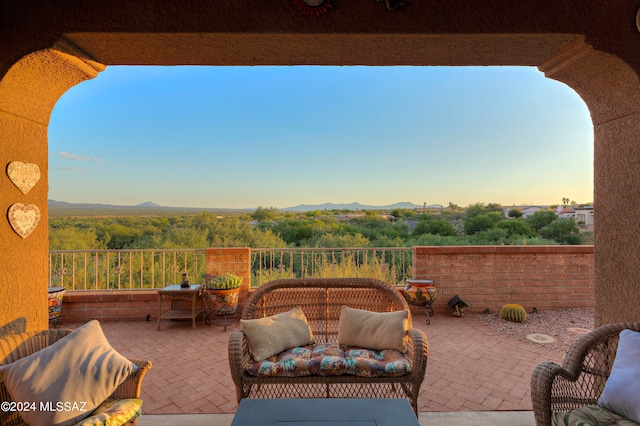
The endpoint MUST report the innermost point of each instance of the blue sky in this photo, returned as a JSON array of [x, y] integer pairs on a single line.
[[242, 137]]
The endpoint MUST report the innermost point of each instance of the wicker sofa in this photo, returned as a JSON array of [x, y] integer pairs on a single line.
[[580, 380], [321, 300], [16, 346]]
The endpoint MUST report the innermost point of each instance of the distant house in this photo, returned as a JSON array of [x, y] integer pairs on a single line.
[[528, 211], [566, 212], [584, 217]]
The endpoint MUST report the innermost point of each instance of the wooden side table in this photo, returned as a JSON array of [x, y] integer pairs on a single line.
[[174, 293]]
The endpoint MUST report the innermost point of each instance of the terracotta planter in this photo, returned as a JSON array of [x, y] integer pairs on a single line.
[[223, 302], [420, 292]]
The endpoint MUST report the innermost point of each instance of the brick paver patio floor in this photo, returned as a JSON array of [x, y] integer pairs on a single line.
[[470, 366]]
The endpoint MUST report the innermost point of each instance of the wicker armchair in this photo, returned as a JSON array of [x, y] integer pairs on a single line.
[[322, 299], [582, 376], [16, 346]]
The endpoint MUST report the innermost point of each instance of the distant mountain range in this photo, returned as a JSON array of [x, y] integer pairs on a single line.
[[351, 206], [61, 208], [63, 204], [148, 204]]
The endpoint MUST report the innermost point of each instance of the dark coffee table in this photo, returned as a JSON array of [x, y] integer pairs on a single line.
[[325, 412]]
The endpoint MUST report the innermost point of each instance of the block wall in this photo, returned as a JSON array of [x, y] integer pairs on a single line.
[[487, 277], [121, 305], [230, 260]]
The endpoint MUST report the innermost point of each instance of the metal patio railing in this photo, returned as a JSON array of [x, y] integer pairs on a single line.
[[123, 269], [393, 265], [157, 268]]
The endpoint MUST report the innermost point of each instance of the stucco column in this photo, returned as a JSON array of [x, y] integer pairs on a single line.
[[28, 93], [611, 90]]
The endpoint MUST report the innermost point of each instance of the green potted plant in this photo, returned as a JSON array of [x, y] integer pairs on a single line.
[[224, 290]]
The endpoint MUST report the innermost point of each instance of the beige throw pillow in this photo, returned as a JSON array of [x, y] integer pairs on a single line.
[[374, 330], [67, 380], [271, 335]]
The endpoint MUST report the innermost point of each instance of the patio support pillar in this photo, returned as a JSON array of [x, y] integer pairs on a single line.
[[234, 260], [28, 93], [611, 90]]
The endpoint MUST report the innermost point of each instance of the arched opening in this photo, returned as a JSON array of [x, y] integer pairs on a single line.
[[232, 137]]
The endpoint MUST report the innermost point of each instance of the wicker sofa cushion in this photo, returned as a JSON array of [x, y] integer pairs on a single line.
[[590, 415], [81, 370], [271, 335], [374, 330], [327, 359], [114, 412], [621, 393]]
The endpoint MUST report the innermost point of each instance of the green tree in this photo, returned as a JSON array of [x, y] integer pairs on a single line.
[[386, 241], [479, 223], [477, 209], [332, 240], [563, 231], [399, 213], [494, 208], [232, 232], [516, 227], [295, 231], [425, 216], [541, 218], [160, 222], [184, 238], [399, 229], [203, 220], [120, 237], [490, 236], [371, 227], [516, 213], [262, 239], [436, 227], [263, 214], [71, 238], [474, 210], [421, 228]]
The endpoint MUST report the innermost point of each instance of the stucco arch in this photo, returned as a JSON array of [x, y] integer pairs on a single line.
[[28, 93], [611, 90], [608, 85]]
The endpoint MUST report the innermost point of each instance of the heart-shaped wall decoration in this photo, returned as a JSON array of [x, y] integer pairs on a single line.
[[23, 175], [24, 218]]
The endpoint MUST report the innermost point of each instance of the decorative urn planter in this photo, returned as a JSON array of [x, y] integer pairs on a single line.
[[223, 294], [224, 302], [420, 292]]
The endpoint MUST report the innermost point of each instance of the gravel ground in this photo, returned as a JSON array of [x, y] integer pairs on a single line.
[[564, 325]]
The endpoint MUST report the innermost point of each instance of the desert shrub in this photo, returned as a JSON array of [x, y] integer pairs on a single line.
[[541, 218], [563, 231], [517, 227]]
